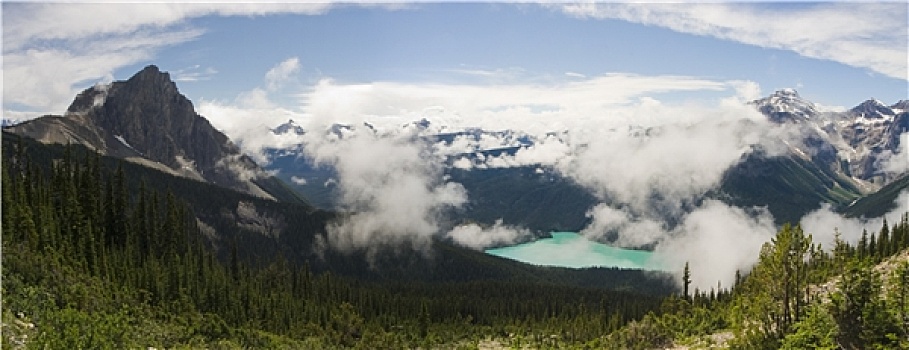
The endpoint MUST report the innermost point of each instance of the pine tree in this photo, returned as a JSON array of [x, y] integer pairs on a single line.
[[686, 280], [872, 248], [775, 286], [883, 241], [863, 245]]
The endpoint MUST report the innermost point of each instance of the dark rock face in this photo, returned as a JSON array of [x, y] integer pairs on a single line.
[[146, 116], [150, 113], [872, 109]]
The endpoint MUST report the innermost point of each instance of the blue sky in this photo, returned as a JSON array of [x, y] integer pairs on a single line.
[[836, 54]]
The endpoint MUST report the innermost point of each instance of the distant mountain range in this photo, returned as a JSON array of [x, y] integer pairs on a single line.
[[838, 158]]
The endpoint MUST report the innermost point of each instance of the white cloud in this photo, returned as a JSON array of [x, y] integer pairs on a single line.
[[279, 74], [192, 74], [647, 158], [716, 240], [26, 23], [298, 180], [47, 78], [897, 162], [249, 118], [865, 35], [498, 106], [824, 223], [656, 171], [51, 49], [249, 124], [394, 194], [478, 238]]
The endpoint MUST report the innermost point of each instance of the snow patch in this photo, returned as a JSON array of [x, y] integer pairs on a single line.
[[123, 141]]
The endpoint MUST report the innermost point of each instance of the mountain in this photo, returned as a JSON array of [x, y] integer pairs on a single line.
[[169, 149], [880, 202], [838, 158], [852, 143], [259, 230], [97, 251], [786, 106], [145, 119], [835, 157]]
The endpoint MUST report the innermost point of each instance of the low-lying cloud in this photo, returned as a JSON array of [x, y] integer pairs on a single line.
[[394, 196], [650, 163], [824, 224], [479, 238], [716, 240]]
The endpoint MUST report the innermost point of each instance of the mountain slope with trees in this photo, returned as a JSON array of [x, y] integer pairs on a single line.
[[104, 253], [798, 296]]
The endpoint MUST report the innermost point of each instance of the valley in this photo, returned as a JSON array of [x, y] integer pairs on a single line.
[[602, 175], [276, 254]]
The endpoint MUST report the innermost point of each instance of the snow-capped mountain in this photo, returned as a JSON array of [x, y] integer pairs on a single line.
[[856, 142], [834, 156], [288, 127], [787, 106]]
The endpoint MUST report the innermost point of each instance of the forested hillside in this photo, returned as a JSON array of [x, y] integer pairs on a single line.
[[96, 257], [89, 262], [798, 296]]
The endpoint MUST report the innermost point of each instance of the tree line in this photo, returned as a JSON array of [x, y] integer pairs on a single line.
[[799, 295], [94, 261]]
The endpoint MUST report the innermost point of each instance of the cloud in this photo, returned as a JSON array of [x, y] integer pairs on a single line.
[[581, 106], [51, 49], [298, 180], [250, 127], [193, 74], [823, 224], [278, 75], [537, 108], [395, 196], [716, 240], [479, 238], [839, 32], [650, 162], [657, 171], [249, 118], [896, 162], [46, 78], [25, 24]]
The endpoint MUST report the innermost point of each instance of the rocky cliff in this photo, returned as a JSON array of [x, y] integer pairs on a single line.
[[145, 119]]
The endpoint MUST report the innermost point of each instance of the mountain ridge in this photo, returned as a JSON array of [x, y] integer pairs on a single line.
[[145, 119], [834, 157]]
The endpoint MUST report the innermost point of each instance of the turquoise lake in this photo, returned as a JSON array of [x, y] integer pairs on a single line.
[[569, 249]]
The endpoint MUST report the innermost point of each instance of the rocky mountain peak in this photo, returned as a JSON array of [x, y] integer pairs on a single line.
[[289, 126], [785, 105], [902, 105], [872, 109], [787, 92], [146, 119], [151, 77]]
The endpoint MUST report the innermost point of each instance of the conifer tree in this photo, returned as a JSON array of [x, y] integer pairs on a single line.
[[883, 241], [686, 280]]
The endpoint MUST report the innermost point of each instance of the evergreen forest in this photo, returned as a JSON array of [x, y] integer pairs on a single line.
[[99, 257]]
